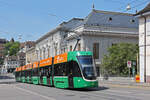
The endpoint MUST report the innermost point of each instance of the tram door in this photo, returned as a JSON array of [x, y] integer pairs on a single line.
[[52, 72], [48, 75], [41, 76], [70, 74]]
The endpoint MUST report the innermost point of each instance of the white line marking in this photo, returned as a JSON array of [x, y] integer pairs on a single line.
[[34, 93]]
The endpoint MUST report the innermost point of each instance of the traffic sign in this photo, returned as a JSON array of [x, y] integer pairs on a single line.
[[129, 64]]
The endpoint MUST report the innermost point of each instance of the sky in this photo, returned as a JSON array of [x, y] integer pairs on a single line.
[[31, 19]]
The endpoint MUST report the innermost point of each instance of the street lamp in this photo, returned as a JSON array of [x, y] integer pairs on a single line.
[[128, 7]]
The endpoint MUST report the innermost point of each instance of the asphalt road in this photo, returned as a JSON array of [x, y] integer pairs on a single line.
[[22, 91]]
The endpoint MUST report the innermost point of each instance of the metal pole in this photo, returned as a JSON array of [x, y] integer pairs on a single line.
[[76, 44], [144, 48], [129, 72], [137, 63]]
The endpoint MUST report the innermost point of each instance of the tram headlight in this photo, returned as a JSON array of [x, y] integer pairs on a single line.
[[78, 53]]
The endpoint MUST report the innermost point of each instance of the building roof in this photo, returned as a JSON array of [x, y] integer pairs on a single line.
[[74, 22], [111, 19], [3, 41], [30, 43], [145, 10], [97, 18]]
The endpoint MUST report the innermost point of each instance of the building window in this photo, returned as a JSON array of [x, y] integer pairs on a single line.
[[96, 50], [79, 47], [55, 51], [48, 52], [62, 51], [70, 48], [40, 54], [44, 54]]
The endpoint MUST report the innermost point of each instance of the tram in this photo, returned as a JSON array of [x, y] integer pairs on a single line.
[[75, 69]]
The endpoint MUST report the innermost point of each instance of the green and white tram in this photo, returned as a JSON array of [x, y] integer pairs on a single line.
[[74, 69]]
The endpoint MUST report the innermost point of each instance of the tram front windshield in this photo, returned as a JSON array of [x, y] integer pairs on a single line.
[[87, 66]]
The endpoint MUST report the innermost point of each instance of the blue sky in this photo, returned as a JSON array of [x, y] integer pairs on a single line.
[[34, 18]]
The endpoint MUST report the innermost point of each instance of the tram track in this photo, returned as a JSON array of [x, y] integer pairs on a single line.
[[88, 94]]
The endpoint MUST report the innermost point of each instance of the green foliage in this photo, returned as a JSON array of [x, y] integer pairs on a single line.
[[115, 63], [12, 48], [1, 61]]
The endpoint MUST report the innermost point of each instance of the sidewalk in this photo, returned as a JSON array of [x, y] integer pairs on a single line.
[[122, 82], [7, 78]]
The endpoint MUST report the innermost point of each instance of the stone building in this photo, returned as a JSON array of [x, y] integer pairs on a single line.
[[31, 55], [21, 57], [29, 49], [2, 56], [10, 63], [2, 42], [97, 32], [144, 43], [54, 42]]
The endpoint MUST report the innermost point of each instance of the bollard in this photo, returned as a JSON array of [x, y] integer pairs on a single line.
[[137, 78]]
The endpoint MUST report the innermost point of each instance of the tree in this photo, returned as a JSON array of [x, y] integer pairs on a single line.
[[1, 61], [115, 63], [11, 48]]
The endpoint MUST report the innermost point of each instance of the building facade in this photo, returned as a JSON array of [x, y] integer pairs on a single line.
[[97, 32], [21, 57], [144, 43], [2, 43], [31, 56], [54, 42], [10, 63]]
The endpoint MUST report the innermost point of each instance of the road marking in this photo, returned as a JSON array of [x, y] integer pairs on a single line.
[[35, 93]]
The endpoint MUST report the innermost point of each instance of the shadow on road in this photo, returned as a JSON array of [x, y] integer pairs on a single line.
[[89, 89]]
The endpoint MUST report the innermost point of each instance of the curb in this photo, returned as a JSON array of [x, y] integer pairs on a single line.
[[124, 84]]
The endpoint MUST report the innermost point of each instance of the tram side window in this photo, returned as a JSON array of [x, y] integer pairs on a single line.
[[25, 73], [74, 69], [57, 70], [29, 74], [65, 71], [22, 73], [47, 71], [16, 74], [19, 74], [42, 71], [35, 72], [60, 69]]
